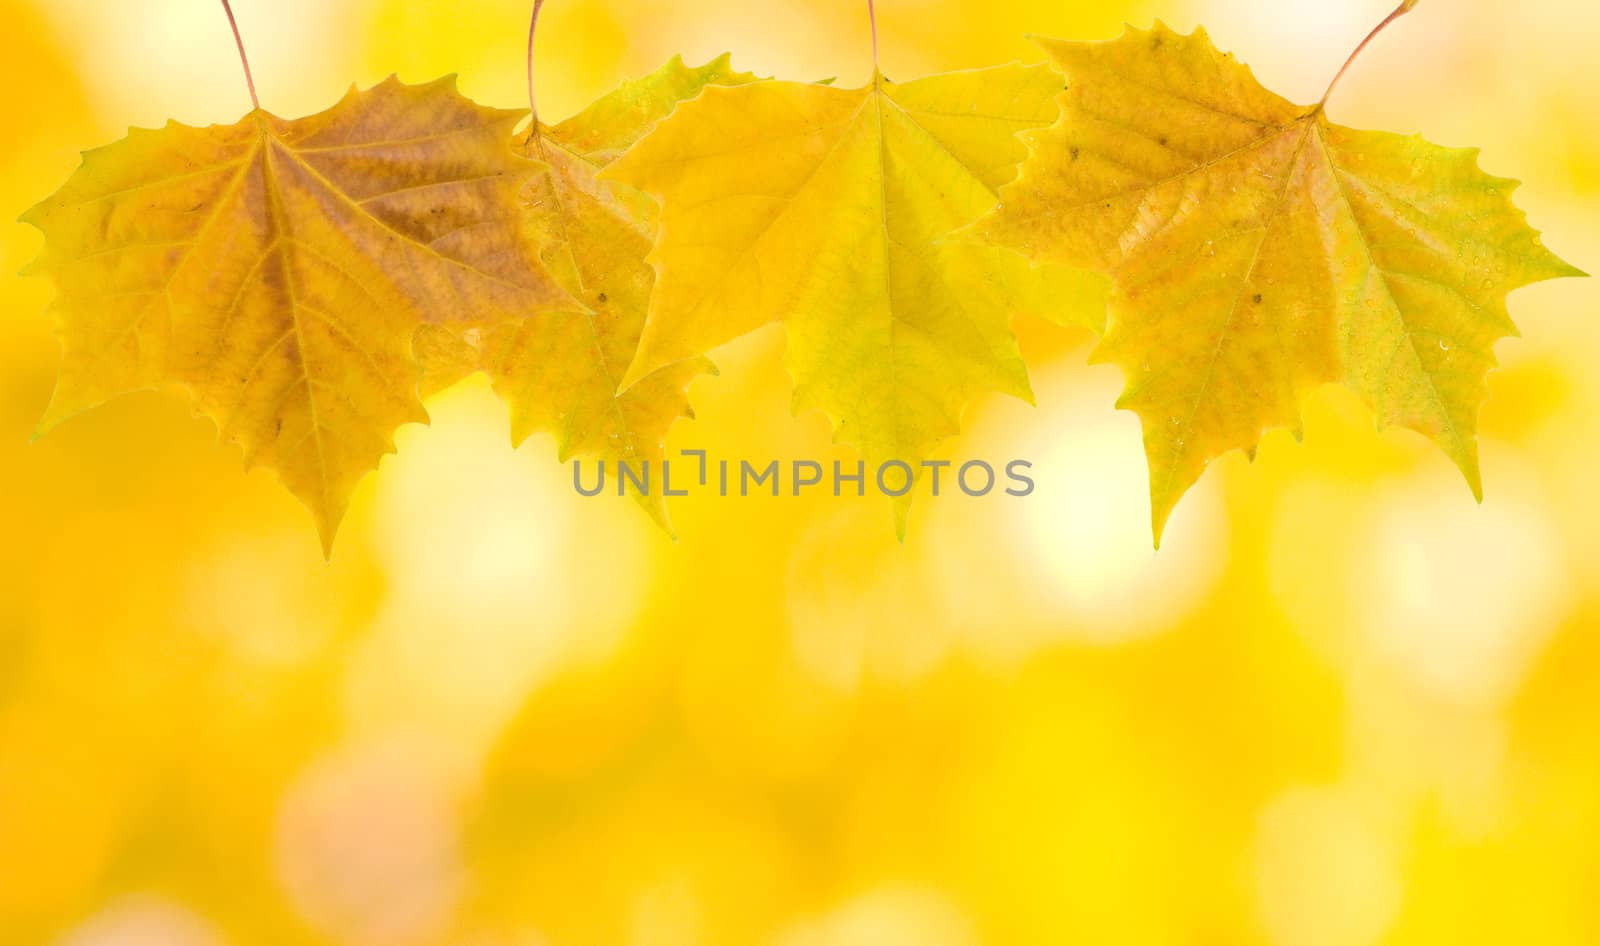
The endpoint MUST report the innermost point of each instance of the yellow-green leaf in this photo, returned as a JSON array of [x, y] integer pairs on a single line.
[[278, 269], [1259, 250], [560, 371], [826, 208]]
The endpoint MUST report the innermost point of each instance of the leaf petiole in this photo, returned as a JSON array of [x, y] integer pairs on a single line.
[[249, 79], [1406, 6], [533, 105], [872, 17]]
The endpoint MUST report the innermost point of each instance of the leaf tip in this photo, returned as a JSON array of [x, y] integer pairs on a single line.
[[655, 506], [1158, 27], [1474, 479], [327, 530], [59, 411], [1566, 270], [1160, 512]]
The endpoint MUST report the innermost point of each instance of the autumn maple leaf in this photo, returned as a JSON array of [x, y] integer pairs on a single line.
[[1258, 250], [560, 371], [278, 269], [826, 208]]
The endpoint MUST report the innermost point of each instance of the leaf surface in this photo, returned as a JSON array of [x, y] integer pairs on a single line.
[[278, 269], [1258, 251], [826, 208], [560, 371]]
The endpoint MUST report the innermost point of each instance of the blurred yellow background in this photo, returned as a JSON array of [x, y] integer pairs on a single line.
[[1343, 706]]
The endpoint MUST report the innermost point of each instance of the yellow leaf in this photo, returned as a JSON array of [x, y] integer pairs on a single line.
[[561, 371], [826, 208], [1259, 250], [279, 269]]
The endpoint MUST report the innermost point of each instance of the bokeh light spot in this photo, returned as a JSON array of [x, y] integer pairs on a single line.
[[1325, 872]]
